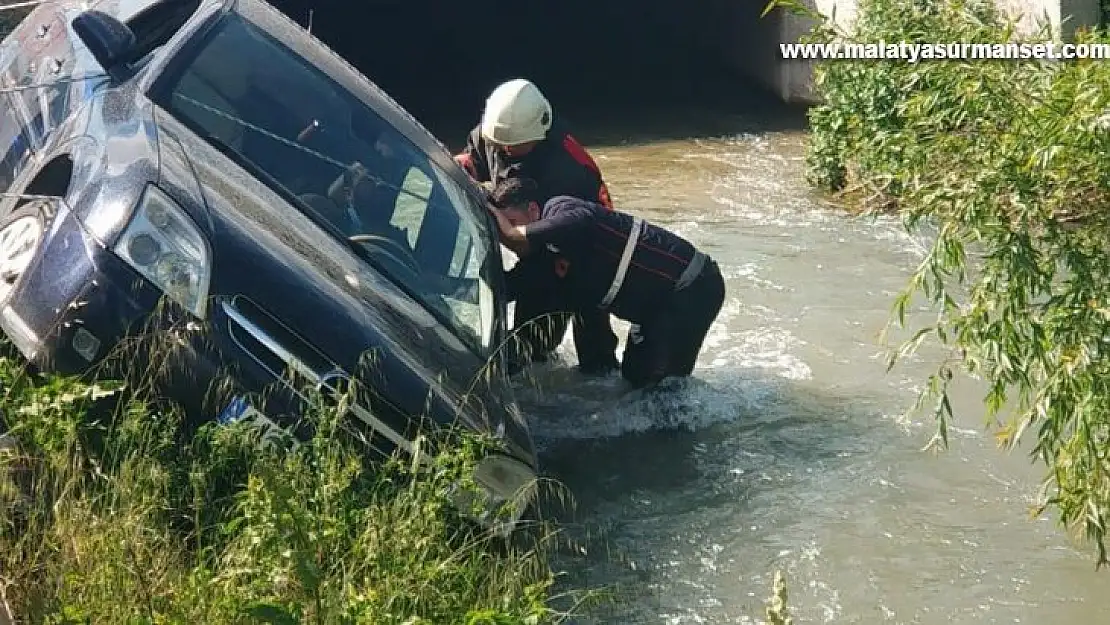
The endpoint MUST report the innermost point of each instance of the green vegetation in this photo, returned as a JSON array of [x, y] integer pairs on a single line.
[[1006, 162], [776, 610], [113, 514]]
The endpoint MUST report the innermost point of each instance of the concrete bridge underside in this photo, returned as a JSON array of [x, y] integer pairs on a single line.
[[436, 56]]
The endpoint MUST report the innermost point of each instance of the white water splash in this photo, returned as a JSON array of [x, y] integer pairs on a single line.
[[601, 408], [735, 376], [764, 348], [750, 272]]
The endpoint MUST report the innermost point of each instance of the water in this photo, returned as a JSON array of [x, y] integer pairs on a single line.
[[788, 449]]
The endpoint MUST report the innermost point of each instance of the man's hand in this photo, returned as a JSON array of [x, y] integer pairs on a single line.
[[343, 189], [463, 159], [514, 237]]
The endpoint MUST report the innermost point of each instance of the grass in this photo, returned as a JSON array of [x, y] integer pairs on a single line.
[[113, 515]]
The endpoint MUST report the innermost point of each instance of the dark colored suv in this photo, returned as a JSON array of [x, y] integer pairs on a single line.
[[210, 168]]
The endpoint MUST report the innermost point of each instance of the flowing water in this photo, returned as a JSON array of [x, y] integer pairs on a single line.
[[789, 449]]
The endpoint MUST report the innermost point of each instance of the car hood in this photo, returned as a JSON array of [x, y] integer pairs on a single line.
[[282, 252]]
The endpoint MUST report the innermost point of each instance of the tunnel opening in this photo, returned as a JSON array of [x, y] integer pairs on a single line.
[[615, 70]]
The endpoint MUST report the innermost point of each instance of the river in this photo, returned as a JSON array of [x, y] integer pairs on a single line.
[[788, 449]]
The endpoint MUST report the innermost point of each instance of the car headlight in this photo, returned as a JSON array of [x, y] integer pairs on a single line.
[[164, 245], [503, 480]]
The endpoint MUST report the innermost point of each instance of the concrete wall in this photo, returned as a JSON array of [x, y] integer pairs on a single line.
[[751, 44], [438, 58]]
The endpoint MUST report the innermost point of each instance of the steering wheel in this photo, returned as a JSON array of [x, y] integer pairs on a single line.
[[402, 257]]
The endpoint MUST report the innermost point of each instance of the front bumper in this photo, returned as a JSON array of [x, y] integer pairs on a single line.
[[80, 309], [73, 283]]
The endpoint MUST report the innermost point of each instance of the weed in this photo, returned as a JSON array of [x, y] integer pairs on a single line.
[[113, 516]]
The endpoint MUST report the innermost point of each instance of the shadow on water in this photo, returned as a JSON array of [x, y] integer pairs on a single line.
[[617, 72], [700, 462], [703, 103]]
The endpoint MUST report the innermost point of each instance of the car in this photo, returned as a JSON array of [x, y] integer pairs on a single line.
[[210, 170]]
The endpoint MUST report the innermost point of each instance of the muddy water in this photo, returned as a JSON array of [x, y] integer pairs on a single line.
[[788, 449]]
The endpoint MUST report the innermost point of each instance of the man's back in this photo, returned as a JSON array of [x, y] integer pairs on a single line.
[[594, 242]]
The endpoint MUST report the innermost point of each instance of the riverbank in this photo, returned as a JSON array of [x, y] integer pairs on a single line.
[[112, 513], [1007, 158]]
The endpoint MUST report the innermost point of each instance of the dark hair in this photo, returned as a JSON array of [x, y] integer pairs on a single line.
[[515, 192]]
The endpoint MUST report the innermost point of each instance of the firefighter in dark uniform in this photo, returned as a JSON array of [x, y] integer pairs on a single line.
[[610, 261], [519, 136]]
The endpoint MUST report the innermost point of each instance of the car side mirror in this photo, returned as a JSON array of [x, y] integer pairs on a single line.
[[110, 41]]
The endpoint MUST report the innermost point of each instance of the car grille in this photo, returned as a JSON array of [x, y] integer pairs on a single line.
[[297, 365]]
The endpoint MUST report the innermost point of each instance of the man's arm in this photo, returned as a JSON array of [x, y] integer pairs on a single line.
[[472, 158], [514, 237], [564, 222], [588, 183]]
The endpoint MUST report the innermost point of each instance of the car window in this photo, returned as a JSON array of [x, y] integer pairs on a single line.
[[157, 24], [438, 238], [411, 206], [317, 144]]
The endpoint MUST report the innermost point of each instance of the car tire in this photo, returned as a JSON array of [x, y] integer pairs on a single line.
[[37, 213], [42, 213]]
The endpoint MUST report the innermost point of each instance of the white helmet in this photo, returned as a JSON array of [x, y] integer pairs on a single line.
[[516, 112]]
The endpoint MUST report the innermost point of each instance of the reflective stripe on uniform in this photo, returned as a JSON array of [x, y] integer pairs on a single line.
[[693, 270], [626, 258]]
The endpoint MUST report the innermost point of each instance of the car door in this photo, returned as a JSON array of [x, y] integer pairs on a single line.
[[30, 58]]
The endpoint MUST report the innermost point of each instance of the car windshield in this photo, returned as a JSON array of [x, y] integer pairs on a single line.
[[314, 141]]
